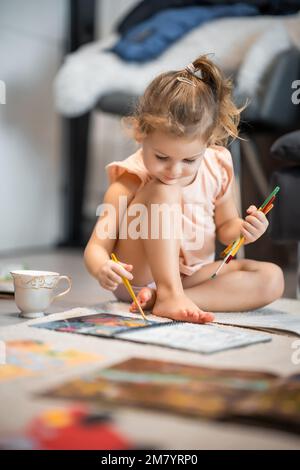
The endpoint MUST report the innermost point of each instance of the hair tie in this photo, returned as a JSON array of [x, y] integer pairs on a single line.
[[191, 69], [186, 80]]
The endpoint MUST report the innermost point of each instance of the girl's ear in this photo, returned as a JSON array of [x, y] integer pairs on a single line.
[[139, 137]]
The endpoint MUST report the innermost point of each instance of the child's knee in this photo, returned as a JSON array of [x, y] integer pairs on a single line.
[[271, 282], [160, 192]]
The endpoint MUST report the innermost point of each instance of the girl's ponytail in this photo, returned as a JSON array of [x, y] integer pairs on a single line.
[[228, 115]]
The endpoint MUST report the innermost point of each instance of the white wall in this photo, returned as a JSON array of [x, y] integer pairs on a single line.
[[108, 141], [109, 12], [31, 47], [32, 37]]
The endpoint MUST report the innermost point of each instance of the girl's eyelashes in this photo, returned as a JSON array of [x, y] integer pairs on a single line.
[[161, 158], [166, 158]]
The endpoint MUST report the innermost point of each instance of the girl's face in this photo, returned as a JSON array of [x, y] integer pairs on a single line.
[[172, 159]]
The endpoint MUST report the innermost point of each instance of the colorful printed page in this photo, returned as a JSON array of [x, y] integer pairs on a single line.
[[264, 319], [181, 388], [100, 324], [278, 405], [28, 357], [67, 428], [205, 339], [214, 393]]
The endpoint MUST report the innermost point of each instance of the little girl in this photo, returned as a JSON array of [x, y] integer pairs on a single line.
[[182, 122]]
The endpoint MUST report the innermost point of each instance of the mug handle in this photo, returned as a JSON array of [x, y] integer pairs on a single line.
[[65, 291]]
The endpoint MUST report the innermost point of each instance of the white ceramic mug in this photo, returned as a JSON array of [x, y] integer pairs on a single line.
[[34, 291]]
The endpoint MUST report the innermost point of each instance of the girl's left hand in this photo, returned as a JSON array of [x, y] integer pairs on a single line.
[[254, 225]]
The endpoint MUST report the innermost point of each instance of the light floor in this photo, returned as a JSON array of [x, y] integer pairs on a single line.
[[146, 428]]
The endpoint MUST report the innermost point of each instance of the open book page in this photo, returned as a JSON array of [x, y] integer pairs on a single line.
[[265, 319], [206, 339]]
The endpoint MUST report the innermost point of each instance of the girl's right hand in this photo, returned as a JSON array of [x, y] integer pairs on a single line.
[[109, 275]]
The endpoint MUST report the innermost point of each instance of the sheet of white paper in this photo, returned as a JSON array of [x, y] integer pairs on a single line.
[[264, 318], [206, 339]]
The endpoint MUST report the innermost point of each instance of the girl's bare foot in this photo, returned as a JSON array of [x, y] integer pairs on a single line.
[[179, 308], [146, 298]]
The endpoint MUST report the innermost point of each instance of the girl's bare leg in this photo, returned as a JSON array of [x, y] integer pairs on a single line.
[[247, 285], [241, 285], [158, 259]]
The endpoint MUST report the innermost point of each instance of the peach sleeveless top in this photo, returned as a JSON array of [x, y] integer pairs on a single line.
[[211, 186]]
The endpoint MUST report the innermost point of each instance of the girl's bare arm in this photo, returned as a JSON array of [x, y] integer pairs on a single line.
[[98, 249], [227, 220]]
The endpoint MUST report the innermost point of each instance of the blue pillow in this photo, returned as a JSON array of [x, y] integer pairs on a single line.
[[150, 38]]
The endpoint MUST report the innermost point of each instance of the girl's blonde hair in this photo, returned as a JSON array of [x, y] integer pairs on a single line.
[[183, 104]]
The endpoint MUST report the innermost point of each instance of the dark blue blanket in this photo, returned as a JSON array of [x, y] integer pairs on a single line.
[[150, 38]]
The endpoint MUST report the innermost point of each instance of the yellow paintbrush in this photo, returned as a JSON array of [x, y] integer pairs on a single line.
[[130, 290]]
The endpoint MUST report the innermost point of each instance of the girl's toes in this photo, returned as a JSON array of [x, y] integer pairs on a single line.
[[133, 307], [144, 295], [207, 317], [199, 318], [192, 316], [184, 315]]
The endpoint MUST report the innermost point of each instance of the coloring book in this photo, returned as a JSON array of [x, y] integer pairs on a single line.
[[206, 339]]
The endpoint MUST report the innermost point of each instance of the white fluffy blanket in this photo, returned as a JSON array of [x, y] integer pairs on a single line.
[[246, 45]]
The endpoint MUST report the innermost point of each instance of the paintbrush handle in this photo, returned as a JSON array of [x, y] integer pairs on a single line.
[[130, 290], [231, 250]]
